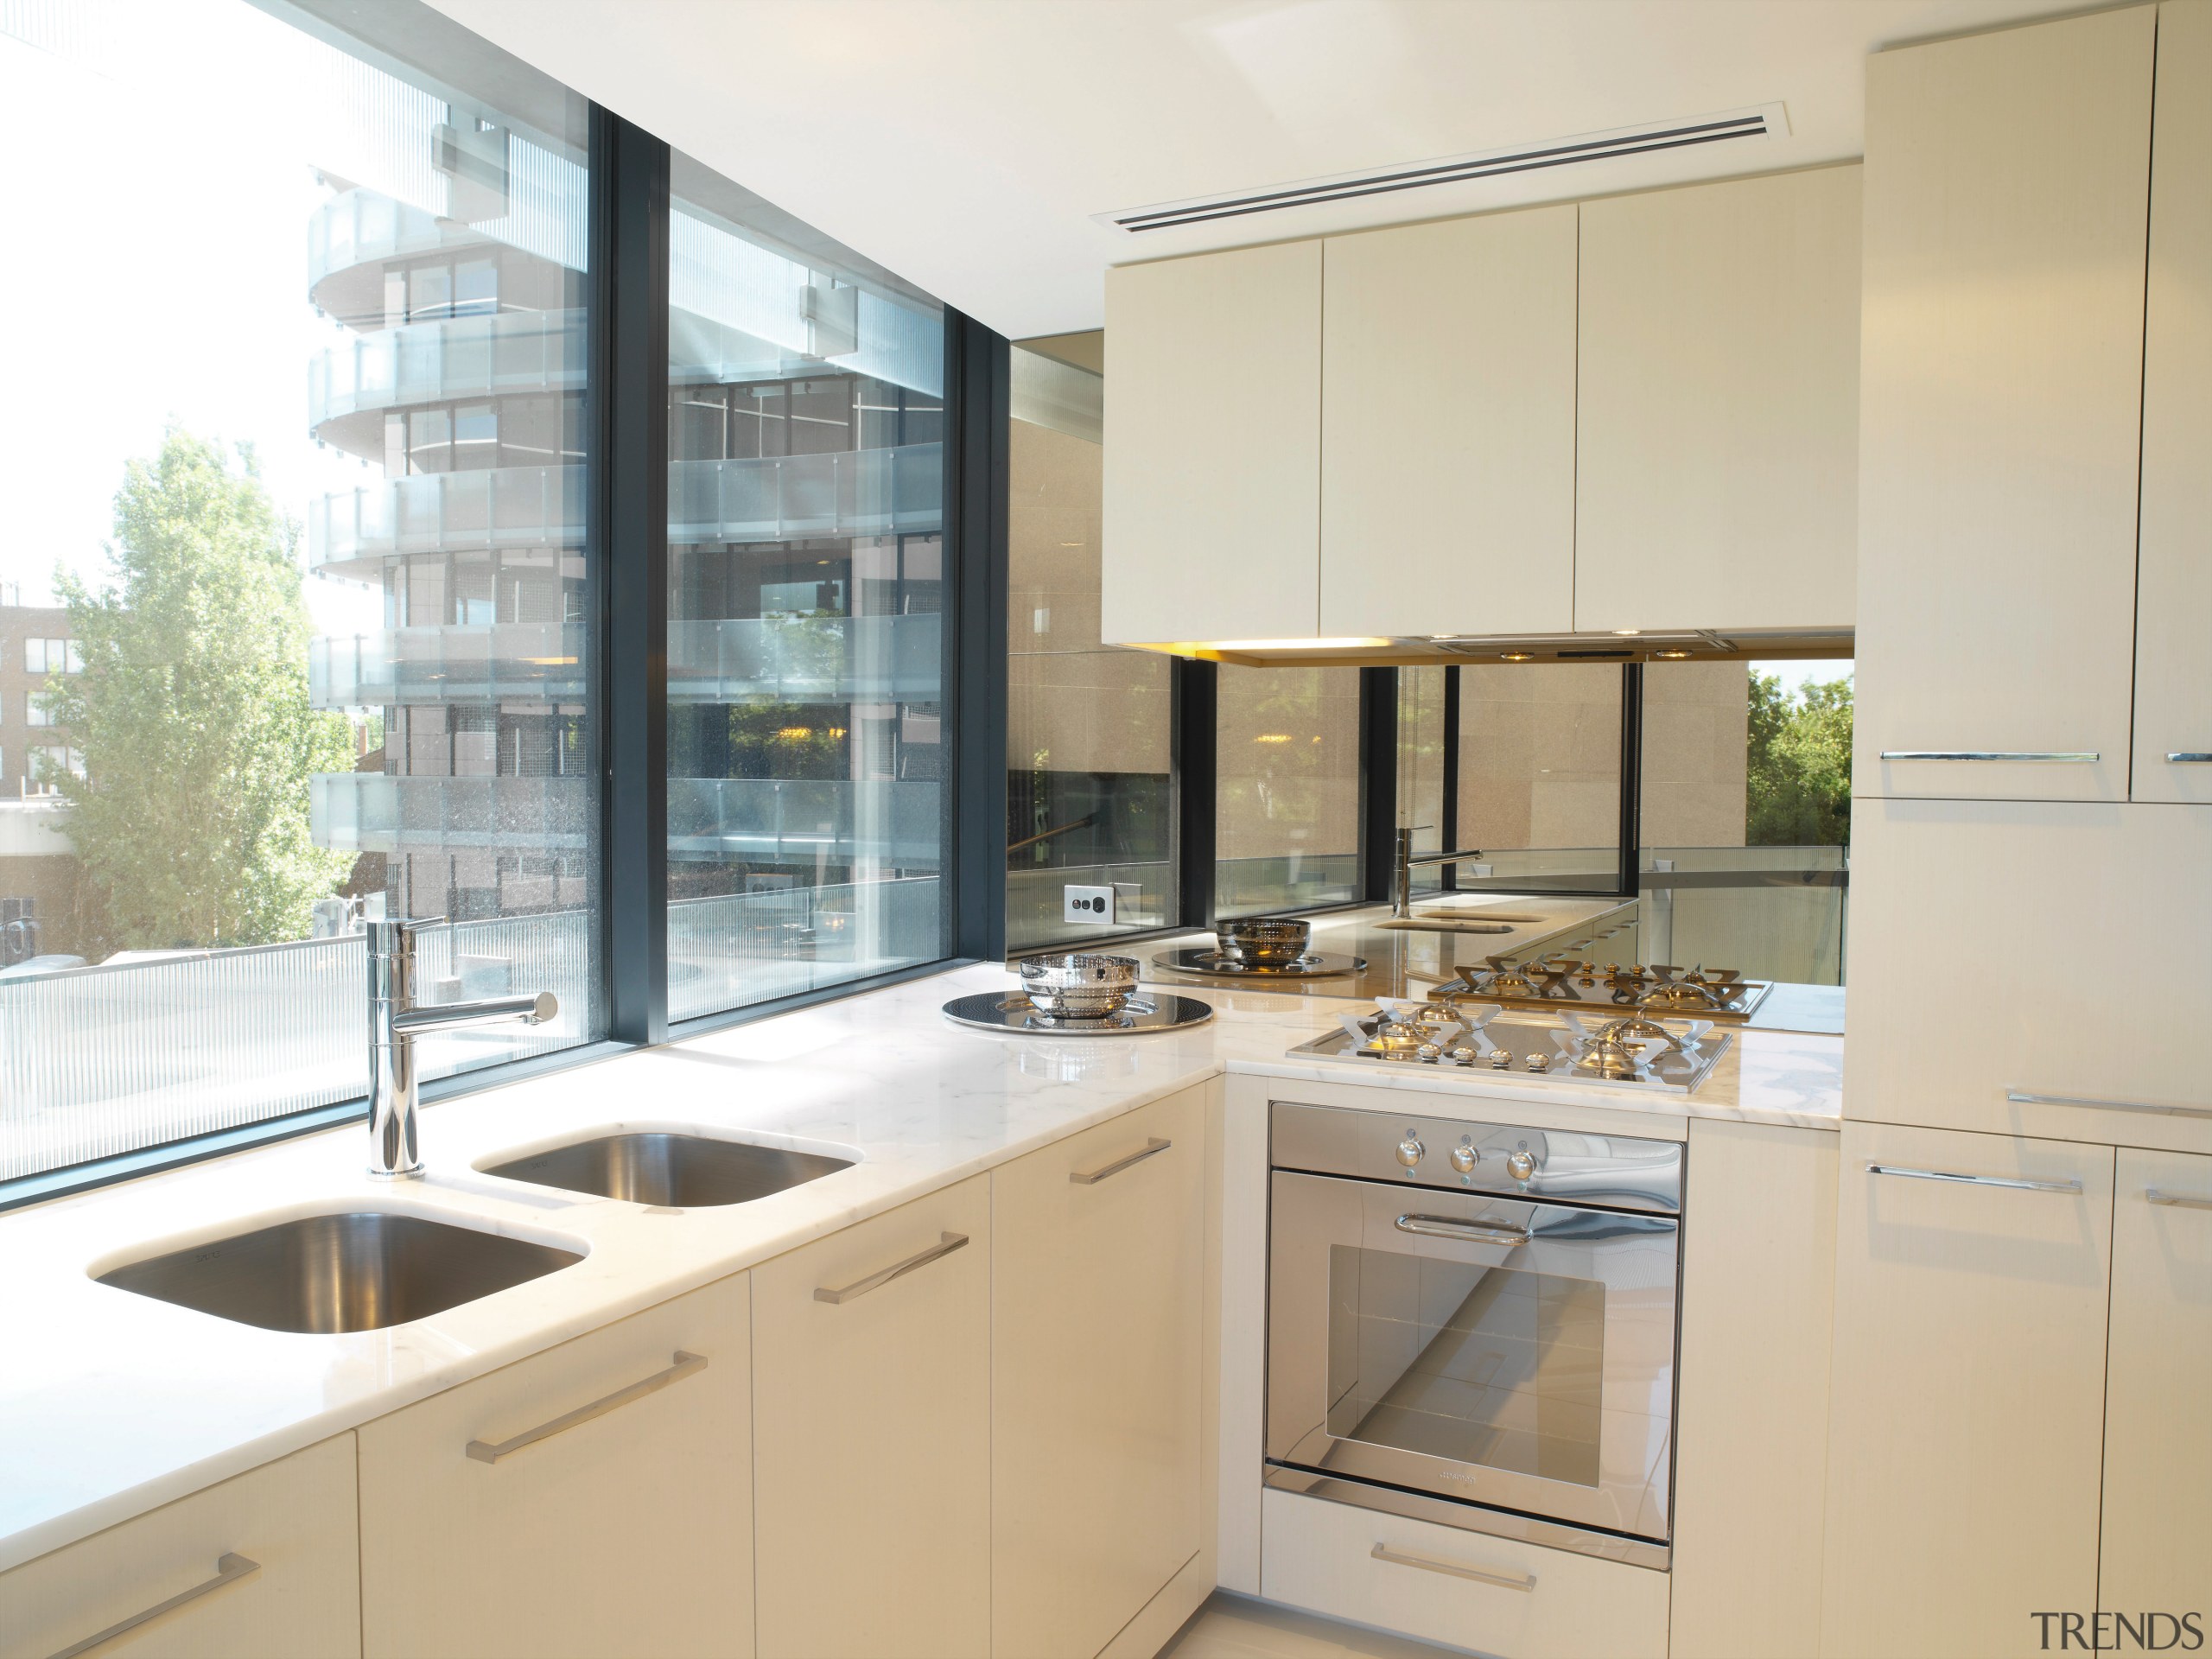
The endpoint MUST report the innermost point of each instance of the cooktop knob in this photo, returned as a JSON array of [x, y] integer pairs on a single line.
[[1463, 1159], [1462, 1055], [1428, 1052], [1500, 1059], [1410, 1152], [1536, 1062], [1521, 1165]]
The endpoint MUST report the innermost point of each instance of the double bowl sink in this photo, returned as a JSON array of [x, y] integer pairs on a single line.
[[363, 1270]]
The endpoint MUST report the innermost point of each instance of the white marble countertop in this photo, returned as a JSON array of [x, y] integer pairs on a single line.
[[111, 1403]]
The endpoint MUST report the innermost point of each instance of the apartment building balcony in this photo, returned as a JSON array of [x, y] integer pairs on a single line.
[[354, 234], [356, 377], [752, 659], [850, 493], [766, 820]]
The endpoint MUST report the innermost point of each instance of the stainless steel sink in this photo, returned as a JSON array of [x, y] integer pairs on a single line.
[[678, 1170], [331, 1274]]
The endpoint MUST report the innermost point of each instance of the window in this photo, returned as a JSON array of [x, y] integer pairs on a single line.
[[1089, 799], [1747, 816], [806, 813], [51, 656], [1287, 790], [249, 142], [35, 712], [1540, 775]]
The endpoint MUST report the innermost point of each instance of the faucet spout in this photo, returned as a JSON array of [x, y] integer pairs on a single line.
[[395, 1021]]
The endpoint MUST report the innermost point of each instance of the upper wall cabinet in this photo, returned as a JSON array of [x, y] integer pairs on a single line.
[[1447, 427], [2173, 663], [2000, 409], [1718, 478], [1213, 457]]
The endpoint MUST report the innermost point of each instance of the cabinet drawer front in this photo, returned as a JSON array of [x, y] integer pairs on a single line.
[[872, 1481], [272, 1554], [1494, 1595], [553, 1506], [1097, 1304], [1967, 1401], [2157, 1546]]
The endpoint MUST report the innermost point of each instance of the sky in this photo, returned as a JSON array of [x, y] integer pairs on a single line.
[[1797, 672], [156, 183]]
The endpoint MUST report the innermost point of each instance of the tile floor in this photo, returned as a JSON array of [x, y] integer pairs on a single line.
[[1231, 1627]]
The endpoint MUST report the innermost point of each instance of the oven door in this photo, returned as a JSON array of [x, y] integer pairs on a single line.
[[1501, 1351]]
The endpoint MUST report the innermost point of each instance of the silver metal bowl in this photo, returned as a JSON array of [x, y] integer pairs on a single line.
[[1081, 985], [1264, 941]]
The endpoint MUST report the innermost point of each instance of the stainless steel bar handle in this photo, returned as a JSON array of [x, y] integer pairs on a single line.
[[1153, 1147], [2014, 1181], [1523, 1582], [2187, 758], [2022, 1098], [2151, 1195], [946, 1244], [229, 1569], [1474, 1232], [493, 1451], [2046, 757]]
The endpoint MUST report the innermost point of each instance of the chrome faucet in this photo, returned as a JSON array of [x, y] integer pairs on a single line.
[[394, 1023], [1401, 877]]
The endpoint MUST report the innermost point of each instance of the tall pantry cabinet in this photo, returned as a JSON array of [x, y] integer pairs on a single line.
[[2021, 1289]]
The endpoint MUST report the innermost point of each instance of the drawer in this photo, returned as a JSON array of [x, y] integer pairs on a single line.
[[1553, 1605], [265, 1564]]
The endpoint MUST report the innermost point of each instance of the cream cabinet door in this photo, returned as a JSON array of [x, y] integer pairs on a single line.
[[1097, 1305], [1965, 917], [1717, 484], [1759, 1269], [262, 1566], [1967, 1400], [591, 1499], [2157, 1553], [2173, 632], [1447, 427], [1211, 515], [2000, 404], [872, 1476]]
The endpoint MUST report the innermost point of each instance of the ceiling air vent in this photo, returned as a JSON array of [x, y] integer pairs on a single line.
[[1767, 121]]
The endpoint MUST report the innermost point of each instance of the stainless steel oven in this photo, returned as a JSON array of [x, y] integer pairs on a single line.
[[1475, 1323]]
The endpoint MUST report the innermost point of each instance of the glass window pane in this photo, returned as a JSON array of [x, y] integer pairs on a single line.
[[1287, 791], [1420, 764], [285, 182], [1746, 774], [1089, 801], [805, 641], [1540, 775]]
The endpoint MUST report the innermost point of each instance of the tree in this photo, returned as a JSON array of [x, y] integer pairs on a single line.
[[1799, 785], [191, 713]]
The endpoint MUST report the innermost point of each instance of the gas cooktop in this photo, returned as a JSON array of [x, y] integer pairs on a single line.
[[1700, 993], [1624, 1050]]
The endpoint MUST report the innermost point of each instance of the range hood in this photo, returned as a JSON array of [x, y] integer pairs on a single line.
[[1647, 645]]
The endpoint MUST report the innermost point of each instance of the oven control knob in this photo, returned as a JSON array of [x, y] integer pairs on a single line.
[[1410, 1152], [1463, 1159], [1521, 1165]]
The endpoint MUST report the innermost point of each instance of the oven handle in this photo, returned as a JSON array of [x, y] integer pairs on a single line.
[[1474, 1232]]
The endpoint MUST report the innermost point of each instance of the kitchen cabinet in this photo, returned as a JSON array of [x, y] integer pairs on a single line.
[[2055, 950], [2157, 1492], [622, 1531], [1758, 1267], [1966, 1399], [872, 1489], [1098, 1309], [2173, 670], [1447, 426], [1211, 526], [2001, 403], [1717, 481], [260, 1566]]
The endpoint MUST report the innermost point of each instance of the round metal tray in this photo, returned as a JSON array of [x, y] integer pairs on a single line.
[[1006, 1011], [1197, 959]]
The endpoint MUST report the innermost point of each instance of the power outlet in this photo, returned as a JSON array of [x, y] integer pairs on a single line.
[[1086, 904]]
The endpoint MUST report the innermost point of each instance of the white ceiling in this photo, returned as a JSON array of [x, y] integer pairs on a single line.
[[966, 143]]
